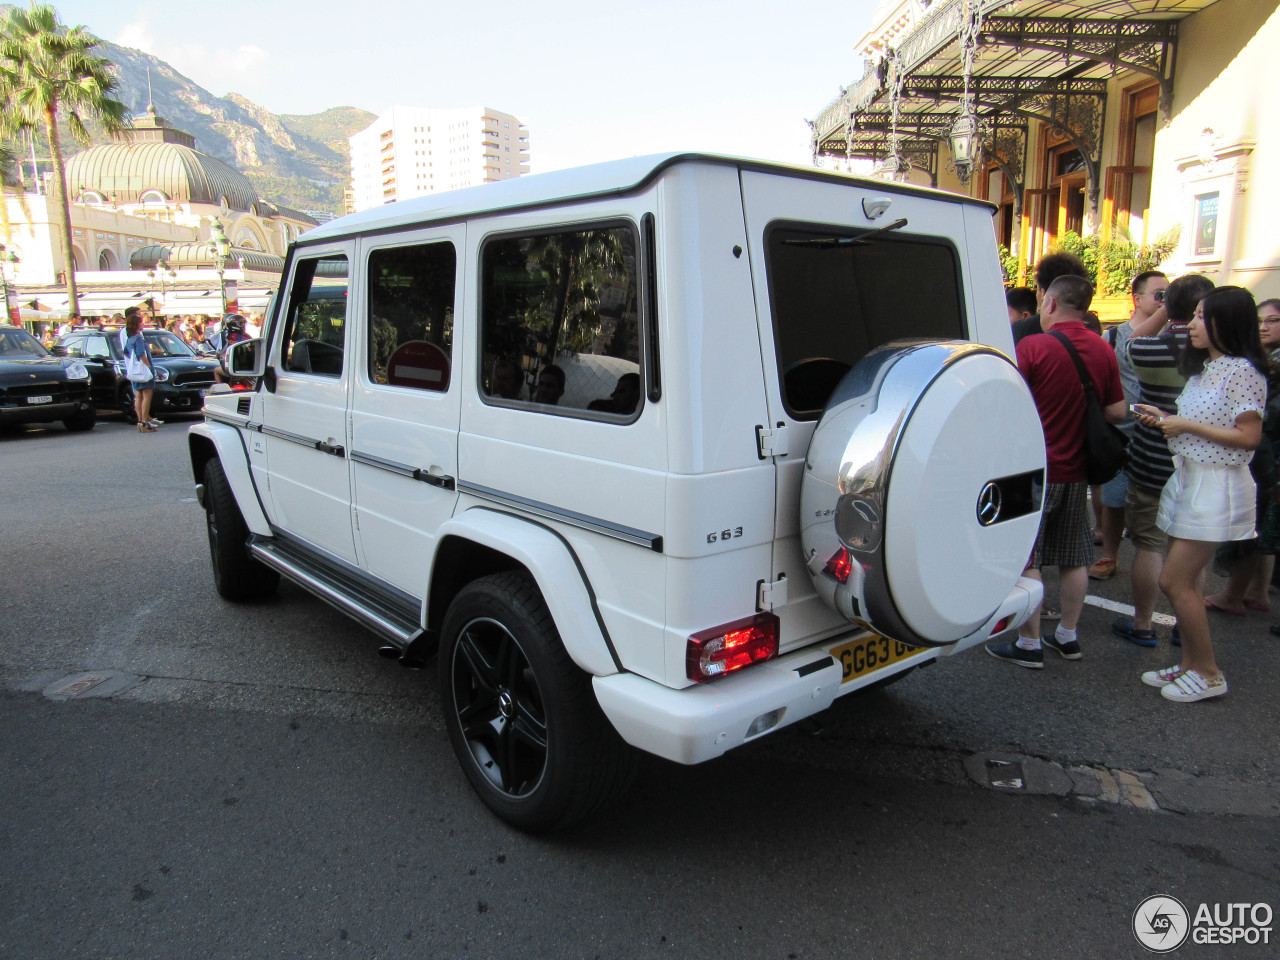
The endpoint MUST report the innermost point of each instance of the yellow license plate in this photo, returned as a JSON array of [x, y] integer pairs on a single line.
[[869, 654]]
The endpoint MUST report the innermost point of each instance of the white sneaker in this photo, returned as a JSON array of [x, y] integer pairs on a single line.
[[1158, 678], [1191, 686]]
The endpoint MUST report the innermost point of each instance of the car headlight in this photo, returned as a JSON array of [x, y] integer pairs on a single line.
[[161, 373], [77, 371]]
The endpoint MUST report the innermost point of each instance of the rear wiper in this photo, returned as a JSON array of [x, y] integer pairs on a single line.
[[830, 242]]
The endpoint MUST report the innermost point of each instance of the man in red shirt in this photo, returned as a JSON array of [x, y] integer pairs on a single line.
[[1066, 534]]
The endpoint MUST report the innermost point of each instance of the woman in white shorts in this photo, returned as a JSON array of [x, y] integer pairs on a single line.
[[1210, 498]]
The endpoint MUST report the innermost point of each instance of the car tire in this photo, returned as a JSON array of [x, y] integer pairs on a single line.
[[237, 576], [125, 403], [84, 420], [522, 717]]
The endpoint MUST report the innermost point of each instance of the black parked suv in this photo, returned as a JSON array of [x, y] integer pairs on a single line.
[[182, 377], [37, 387]]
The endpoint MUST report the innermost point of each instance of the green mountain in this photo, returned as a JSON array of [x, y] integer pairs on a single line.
[[299, 161]]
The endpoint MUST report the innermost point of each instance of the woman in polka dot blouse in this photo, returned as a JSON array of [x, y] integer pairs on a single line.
[[1210, 497]]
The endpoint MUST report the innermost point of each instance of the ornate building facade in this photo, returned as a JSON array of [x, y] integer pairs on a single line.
[[1144, 119], [145, 215]]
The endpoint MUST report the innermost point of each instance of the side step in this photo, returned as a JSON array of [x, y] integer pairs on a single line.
[[390, 613]]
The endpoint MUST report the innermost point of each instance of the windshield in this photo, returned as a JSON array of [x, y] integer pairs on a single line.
[[19, 343], [162, 343]]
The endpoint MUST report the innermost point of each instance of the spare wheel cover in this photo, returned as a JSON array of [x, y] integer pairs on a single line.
[[927, 467]]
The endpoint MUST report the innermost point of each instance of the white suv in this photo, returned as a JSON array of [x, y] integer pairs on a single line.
[[666, 453]]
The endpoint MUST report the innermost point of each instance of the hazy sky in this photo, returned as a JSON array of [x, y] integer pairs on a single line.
[[593, 79]]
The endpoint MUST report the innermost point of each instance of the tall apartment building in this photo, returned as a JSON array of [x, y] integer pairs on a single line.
[[409, 151]]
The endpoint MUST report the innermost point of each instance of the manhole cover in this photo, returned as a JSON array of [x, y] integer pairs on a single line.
[[100, 684]]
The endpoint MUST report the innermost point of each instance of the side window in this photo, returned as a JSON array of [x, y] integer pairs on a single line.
[[835, 298], [411, 315], [75, 347], [96, 347], [560, 321], [315, 324]]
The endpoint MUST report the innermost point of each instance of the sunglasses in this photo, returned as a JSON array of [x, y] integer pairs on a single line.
[[1158, 296]]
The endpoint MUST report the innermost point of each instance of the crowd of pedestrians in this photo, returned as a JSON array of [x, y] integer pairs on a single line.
[[1192, 378]]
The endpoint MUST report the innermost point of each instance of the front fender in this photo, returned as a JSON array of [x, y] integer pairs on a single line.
[[557, 571], [208, 440]]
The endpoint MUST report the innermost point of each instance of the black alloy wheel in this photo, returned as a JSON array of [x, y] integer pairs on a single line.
[[500, 707], [521, 715]]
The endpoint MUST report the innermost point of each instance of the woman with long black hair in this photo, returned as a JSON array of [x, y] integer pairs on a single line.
[[1210, 498]]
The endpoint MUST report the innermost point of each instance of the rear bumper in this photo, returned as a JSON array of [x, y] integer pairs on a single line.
[[698, 723], [1018, 606], [703, 721]]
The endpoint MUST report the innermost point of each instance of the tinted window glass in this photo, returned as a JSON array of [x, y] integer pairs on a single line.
[[560, 321], [315, 325], [97, 347], [835, 298], [411, 315]]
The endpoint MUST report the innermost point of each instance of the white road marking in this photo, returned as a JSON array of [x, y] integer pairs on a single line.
[[1163, 619]]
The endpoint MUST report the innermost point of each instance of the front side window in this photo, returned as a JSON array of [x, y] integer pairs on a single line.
[[836, 296], [315, 321], [411, 315], [560, 318]]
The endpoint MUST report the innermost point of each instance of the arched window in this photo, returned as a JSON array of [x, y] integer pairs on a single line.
[[91, 196], [107, 260], [153, 196]]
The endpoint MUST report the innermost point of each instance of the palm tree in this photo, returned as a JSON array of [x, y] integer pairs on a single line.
[[47, 70]]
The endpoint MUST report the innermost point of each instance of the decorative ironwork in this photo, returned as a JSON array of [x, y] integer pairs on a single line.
[[894, 166], [1138, 45]]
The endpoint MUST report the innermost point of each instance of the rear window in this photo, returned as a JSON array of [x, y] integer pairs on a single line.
[[836, 295]]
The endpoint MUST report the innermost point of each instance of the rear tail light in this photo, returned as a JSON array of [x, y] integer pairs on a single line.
[[731, 646], [1002, 625], [839, 566]]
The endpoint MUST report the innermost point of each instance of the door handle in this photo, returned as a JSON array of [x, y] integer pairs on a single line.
[[333, 448]]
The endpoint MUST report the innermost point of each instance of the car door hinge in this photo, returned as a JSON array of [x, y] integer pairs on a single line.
[[770, 595], [774, 442]]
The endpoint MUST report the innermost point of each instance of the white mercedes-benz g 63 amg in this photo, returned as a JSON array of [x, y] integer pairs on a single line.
[[666, 454]]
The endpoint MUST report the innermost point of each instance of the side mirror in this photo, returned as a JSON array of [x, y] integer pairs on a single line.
[[58, 350], [244, 359]]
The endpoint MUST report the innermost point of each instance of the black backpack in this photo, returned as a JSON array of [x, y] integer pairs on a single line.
[[1106, 449]]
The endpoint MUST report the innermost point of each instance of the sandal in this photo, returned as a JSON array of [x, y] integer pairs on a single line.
[[1255, 605], [146, 428], [1123, 627], [1104, 569], [1050, 613], [1210, 605]]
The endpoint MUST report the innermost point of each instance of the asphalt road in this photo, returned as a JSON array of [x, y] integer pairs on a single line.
[[253, 781]]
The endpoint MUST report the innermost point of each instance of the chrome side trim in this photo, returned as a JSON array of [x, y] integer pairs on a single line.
[[420, 474], [617, 531], [323, 446]]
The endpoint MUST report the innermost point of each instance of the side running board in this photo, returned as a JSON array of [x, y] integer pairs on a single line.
[[390, 613]]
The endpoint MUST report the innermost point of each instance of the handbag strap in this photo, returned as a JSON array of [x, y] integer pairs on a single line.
[[1086, 381]]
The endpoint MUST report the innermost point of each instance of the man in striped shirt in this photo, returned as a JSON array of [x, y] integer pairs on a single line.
[[1155, 361]]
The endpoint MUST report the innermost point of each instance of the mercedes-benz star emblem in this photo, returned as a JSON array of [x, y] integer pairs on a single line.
[[990, 501]]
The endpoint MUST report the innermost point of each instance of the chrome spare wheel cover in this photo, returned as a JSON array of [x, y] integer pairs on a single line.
[[927, 470]]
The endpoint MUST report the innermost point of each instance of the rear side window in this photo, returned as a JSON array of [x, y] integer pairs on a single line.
[[411, 315], [560, 322], [316, 323], [835, 297]]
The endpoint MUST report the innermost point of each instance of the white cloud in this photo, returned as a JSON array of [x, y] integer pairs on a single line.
[[218, 69]]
